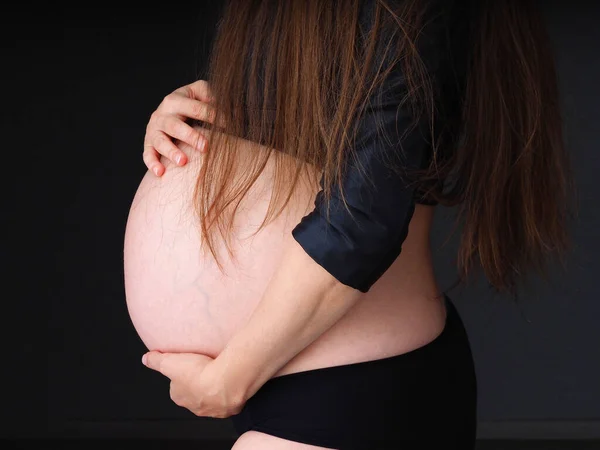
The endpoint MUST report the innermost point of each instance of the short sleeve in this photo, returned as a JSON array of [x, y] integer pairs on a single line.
[[357, 249]]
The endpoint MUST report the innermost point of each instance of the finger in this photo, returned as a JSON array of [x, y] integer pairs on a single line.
[[175, 394], [176, 366], [177, 104], [155, 361], [150, 157], [177, 128], [171, 365], [200, 90], [166, 147]]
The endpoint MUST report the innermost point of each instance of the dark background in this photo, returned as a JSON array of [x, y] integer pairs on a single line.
[[79, 86]]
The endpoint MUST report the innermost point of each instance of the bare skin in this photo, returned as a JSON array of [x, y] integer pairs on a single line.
[[179, 301]]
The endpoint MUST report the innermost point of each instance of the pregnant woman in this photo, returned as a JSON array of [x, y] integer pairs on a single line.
[[282, 238]]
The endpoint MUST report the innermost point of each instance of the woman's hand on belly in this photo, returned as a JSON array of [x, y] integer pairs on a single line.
[[192, 385]]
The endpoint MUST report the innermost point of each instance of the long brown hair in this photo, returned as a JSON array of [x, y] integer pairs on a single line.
[[296, 76]]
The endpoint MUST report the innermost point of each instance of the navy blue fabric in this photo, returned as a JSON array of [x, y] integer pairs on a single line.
[[358, 248]]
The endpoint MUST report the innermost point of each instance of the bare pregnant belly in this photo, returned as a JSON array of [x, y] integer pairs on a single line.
[[179, 301]]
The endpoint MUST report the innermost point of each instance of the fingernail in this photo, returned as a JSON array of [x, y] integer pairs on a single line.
[[178, 158], [201, 145], [155, 170], [144, 359]]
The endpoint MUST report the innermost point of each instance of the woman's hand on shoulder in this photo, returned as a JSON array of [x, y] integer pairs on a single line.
[[168, 122]]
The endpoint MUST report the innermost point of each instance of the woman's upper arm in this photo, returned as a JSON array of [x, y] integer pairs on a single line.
[[358, 248]]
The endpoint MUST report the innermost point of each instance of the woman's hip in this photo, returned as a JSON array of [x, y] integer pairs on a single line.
[[418, 397]]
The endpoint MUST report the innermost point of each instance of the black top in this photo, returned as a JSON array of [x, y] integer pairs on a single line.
[[357, 251]]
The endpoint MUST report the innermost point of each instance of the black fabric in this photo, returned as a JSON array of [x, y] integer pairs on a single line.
[[414, 400], [358, 248]]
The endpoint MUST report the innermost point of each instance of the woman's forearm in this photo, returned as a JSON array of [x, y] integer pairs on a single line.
[[301, 302]]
